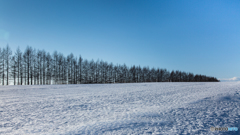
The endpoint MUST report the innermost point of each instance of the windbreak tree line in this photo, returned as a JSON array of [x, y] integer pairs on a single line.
[[38, 67]]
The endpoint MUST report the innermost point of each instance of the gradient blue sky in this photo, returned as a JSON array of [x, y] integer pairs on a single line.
[[198, 36]]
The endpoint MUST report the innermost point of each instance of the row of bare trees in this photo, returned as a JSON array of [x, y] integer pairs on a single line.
[[38, 67]]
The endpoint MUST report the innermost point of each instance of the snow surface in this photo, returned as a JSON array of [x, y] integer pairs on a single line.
[[135, 108]]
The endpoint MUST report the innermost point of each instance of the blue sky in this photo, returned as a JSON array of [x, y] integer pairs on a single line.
[[198, 36]]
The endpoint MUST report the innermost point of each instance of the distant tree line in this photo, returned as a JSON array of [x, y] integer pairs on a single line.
[[38, 67]]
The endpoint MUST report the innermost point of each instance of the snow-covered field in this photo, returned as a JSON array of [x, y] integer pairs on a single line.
[[136, 108]]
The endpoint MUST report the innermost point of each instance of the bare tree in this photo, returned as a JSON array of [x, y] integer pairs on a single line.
[[97, 71], [86, 71], [28, 55], [55, 67], [8, 54], [80, 60], [2, 66], [14, 69]]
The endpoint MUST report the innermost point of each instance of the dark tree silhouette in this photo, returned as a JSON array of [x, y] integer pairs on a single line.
[[40, 67]]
